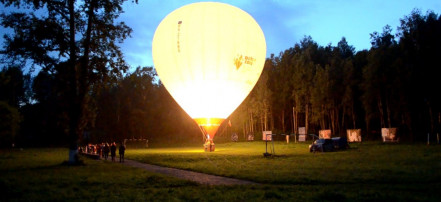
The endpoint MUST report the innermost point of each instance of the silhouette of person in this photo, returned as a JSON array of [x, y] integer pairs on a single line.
[[99, 150], [113, 151], [122, 149], [102, 149], [106, 151]]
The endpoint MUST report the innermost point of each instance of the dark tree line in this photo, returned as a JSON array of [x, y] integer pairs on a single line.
[[84, 92], [76, 42], [136, 107], [394, 84], [129, 106]]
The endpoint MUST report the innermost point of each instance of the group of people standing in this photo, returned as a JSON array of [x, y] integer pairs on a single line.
[[103, 150]]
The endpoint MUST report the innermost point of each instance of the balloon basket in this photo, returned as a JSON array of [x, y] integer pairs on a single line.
[[209, 147]]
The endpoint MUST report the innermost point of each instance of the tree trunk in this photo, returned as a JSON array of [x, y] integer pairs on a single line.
[[294, 126], [337, 122], [380, 107], [72, 45], [251, 122], [265, 118], [431, 117], [366, 118], [80, 84], [343, 117], [353, 116], [283, 121], [294, 114], [306, 117], [291, 118], [332, 117], [271, 117], [297, 122], [72, 89], [323, 118], [244, 126], [388, 114]]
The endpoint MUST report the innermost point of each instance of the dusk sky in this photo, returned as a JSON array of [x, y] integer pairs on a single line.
[[284, 22]]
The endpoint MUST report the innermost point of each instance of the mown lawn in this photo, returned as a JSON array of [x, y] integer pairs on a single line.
[[368, 171], [396, 170], [294, 164]]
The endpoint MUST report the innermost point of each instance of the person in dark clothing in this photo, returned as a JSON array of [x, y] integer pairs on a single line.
[[122, 149], [113, 151], [99, 150], [106, 151], [102, 149]]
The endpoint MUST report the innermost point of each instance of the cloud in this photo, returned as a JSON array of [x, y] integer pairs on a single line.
[[283, 23]]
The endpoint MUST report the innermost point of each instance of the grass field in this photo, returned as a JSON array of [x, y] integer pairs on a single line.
[[366, 172]]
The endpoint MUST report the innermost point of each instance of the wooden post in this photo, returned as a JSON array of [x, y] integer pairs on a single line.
[[428, 138]]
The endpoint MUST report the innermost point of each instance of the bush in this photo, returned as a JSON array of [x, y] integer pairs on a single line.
[[9, 125]]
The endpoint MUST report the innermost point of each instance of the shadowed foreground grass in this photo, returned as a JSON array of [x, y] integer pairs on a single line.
[[373, 169], [359, 174]]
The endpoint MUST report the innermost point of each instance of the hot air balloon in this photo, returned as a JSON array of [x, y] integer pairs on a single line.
[[209, 56]]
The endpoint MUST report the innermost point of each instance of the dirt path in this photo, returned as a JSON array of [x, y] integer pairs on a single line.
[[200, 178]]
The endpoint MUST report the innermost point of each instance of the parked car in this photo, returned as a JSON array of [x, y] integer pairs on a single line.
[[329, 145], [340, 143]]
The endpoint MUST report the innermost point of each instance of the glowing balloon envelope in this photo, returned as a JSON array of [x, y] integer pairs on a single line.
[[209, 56]]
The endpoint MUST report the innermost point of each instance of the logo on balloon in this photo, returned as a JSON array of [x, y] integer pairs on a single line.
[[239, 60], [249, 60]]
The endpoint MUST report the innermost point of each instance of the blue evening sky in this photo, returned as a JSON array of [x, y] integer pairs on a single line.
[[284, 22]]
